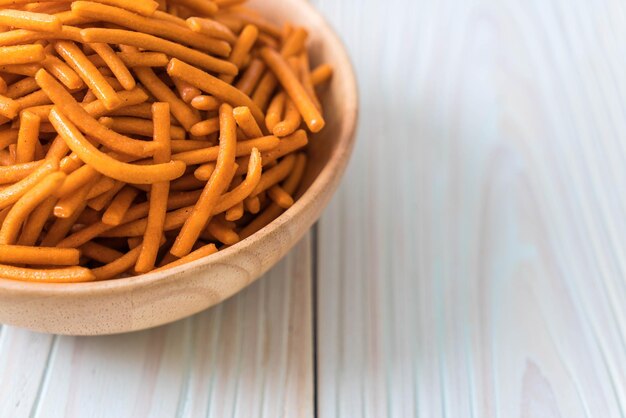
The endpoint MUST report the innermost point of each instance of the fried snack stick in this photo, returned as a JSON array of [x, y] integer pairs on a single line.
[[27, 137], [294, 89], [211, 28], [31, 230], [159, 192], [62, 72], [215, 186], [26, 204], [79, 116], [19, 254], [181, 111], [21, 54], [99, 253], [212, 85], [64, 275], [153, 43], [246, 122], [109, 166], [115, 64], [12, 193], [152, 26], [201, 252], [76, 59], [41, 22], [273, 211], [265, 143], [241, 50]]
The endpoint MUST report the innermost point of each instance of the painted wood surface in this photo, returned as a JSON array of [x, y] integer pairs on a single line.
[[472, 264], [251, 356]]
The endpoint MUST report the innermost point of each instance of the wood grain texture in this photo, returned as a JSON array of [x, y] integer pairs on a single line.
[[473, 263], [248, 357]]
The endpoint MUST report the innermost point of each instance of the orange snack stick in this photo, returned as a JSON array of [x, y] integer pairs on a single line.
[[76, 59], [241, 50], [61, 227], [115, 64], [205, 127], [235, 213], [251, 76], [205, 103], [68, 205], [117, 267], [204, 155], [246, 122], [142, 7], [159, 192], [19, 254], [306, 78], [119, 206], [109, 166], [222, 232], [8, 107], [99, 252], [26, 204], [204, 7], [201, 252], [321, 74], [31, 230], [28, 20], [215, 186], [100, 202], [62, 72], [280, 196], [241, 192], [275, 174], [101, 186], [152, 26], [275, 111], [153, 43], [188, 145], [294, 89], [294, 43], [211, 28], [79, 116], [186, 91], [64, 275], [21, 88], [138, 126], [129, 98], [21, 54], [16, 172], [181, 111], [14, 192], [141, 110], [273, 211], [27, 137], [144, 59], [252, 204], [212, 85], [77, 179], [7, 137], [290, 122]]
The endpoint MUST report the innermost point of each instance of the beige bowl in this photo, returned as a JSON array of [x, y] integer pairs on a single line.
[[157, 298]]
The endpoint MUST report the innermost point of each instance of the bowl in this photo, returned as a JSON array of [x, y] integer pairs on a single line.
[[154, 299]]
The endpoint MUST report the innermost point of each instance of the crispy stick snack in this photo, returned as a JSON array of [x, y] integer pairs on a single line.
[[137, 136]]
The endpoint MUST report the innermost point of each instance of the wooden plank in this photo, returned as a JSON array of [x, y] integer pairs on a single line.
[[250, 356], [473, 263]]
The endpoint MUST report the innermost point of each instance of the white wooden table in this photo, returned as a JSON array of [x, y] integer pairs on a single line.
[[472, 264]]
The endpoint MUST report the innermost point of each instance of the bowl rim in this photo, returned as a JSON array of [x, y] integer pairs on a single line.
[[335, 165]]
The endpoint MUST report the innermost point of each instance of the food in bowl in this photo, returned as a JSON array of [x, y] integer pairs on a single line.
[[138, 136]]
